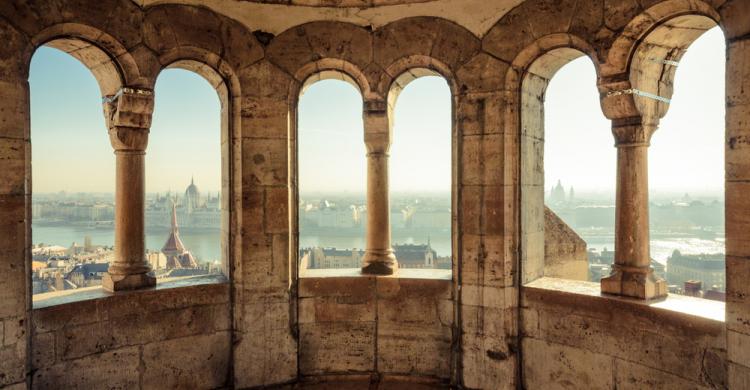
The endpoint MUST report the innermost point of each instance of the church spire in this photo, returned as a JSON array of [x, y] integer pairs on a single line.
[[174, 216]]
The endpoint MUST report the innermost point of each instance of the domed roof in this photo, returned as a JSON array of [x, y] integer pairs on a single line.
[[192, 190]]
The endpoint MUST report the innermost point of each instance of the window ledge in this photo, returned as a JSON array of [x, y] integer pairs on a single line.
[[89, 293], [404, 273], [677, 304]]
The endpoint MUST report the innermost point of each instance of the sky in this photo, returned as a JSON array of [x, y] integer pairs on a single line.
[[687, 150], [331, 138], [71, 151], [70, 146]]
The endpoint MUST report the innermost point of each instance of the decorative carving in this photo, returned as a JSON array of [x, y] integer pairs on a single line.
[[128, 115]]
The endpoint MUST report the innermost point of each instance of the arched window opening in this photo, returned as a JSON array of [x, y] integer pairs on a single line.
[[421, 174], [332, 213], [579, 177], [72, 171], [567, 171], [186, 221], [686, 178]]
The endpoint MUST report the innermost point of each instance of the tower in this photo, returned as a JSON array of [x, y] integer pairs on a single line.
[[174, 249]]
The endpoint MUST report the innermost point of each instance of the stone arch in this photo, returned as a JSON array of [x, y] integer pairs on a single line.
[[407, 69], [226, 84], [422, 42], [321, 46], [329, 69], [176, 30], [399, 74], [653, 63], [656, 18], [107, 59], [528, 78]]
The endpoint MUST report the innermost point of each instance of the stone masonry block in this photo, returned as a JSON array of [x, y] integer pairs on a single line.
[[414, 353], [738, 75], [738, 348], [738, 376], [548, 365], [265, 117], [190, 362], [340, 40], [734, 19], [487, 363], [114, 369], [264, 356], [738, 221], [337, 347], [738, 294], [276, 210], [482, 73], [14, 110], [265, 162], [483, 260]]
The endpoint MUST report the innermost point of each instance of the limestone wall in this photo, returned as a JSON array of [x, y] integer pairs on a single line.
[[282, 327], [391, 326], [574, 339], [171, 338]]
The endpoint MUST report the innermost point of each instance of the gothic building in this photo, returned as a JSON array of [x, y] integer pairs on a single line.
[[174, 250], [496, 321]]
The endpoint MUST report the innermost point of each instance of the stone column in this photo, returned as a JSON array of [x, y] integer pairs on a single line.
[[128, 117], [632, 274], [379, 258]]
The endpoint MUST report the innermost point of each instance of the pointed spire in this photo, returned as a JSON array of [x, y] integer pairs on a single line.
[[174, 217], [191, 180]]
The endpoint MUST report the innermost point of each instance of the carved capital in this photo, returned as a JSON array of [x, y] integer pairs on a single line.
[[632, 132], [615, 102], [128, 115], [378, 134]]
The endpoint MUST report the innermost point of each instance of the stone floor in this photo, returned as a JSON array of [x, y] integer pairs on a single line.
[[363, 384]]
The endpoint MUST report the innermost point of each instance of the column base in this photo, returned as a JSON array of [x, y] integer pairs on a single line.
[[634, 282], [125, 282], [379, 263]]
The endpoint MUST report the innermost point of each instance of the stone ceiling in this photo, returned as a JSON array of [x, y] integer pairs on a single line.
[[275, 16]]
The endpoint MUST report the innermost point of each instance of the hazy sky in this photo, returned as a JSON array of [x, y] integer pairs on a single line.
[[687, 151], [71, 150], [70, 145], [331, 138]]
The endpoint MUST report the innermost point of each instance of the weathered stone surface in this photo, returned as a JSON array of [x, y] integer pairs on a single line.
[[389, 330], [190, 362], [565, 254], [337, 347], [548, 365], [114, 369]]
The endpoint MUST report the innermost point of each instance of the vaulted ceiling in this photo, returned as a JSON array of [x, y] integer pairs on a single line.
[[275, 16]]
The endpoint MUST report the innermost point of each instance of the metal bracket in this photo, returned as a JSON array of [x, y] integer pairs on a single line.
[[664, 61], [124, 90], [633, 91]]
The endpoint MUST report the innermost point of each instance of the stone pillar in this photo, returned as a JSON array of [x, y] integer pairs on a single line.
[[632, 274], [379, 258], [128, 117]]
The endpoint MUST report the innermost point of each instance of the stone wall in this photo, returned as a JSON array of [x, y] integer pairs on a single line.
[[565, 254], [166, 338], [575, 339], [497, 77], [388, 326]]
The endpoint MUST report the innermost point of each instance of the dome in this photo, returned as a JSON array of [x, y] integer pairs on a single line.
[[193, 196], [192, 190]]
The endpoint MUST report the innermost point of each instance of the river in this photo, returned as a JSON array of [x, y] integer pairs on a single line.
[[206, 245]]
